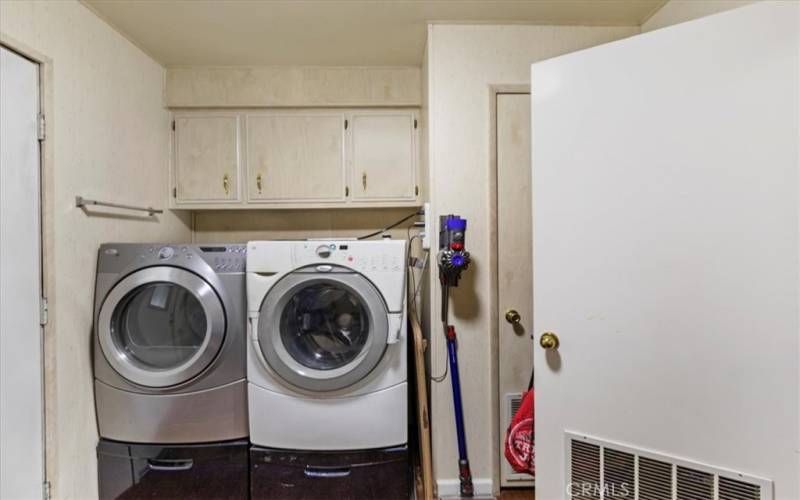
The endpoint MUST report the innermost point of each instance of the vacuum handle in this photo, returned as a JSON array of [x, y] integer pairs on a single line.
[[329, 472], [169, 465]]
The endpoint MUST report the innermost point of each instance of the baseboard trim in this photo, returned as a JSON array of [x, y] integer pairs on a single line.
[[452, 487]]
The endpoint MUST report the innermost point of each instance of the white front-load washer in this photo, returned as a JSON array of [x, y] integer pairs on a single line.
[[327, 350]]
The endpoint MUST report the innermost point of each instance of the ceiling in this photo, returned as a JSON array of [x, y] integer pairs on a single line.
[[330, 32]]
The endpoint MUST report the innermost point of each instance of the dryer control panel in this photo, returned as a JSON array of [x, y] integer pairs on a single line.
[[225, 258], [222, 258]]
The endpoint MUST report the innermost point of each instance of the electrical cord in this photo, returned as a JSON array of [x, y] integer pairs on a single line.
[[417, 287], [376, 233]]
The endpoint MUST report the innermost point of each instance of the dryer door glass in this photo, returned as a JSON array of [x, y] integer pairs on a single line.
[[159, 325], [324, 326]]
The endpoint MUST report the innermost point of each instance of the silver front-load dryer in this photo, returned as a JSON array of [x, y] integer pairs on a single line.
[[169, 343]]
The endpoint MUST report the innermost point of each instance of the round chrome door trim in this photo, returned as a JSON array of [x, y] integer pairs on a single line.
[[214, 335], [299, 375]]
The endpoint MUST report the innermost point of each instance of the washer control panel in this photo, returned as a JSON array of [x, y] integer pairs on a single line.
[[361, 255]]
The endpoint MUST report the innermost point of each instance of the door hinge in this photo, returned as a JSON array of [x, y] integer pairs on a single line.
[[345, 124], [40, 128], [46, 490], [173, 124], [43, 311], [415, 123], [174, 192]]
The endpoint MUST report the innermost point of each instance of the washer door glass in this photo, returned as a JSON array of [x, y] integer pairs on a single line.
[[161, 326], [324, 326], [323, 331]]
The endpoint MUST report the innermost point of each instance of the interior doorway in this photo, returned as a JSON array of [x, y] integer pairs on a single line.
[[514, 265], [21, 303]]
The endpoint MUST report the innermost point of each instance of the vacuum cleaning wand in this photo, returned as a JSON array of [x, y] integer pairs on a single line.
[[453, 260]]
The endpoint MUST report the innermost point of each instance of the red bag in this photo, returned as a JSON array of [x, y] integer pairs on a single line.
[[519, 437]]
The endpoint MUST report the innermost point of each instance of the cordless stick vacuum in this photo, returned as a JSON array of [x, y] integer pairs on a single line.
[[453, 259]]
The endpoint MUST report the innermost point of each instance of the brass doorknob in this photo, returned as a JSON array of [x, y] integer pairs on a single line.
[[513, 317], [549, 340]]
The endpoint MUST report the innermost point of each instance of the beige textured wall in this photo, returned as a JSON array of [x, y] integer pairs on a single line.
[[241, 226], [107, 139], [240, 86], [678, 11], [463, 62]]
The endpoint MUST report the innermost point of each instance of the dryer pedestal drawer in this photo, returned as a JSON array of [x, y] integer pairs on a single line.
[[133, 471], [357, 475]]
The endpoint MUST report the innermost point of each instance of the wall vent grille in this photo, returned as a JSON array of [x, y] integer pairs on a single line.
[[603, 470], [731, 489], [585, 465], [655, 479], [619, 471], [695, 485]]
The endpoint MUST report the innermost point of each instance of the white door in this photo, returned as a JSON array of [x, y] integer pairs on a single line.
[[515, 276], [21, 453], [665, 205]]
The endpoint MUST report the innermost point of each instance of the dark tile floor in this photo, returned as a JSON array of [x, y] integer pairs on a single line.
[[517, 494]]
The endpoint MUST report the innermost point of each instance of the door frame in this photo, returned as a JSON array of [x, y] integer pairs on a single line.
[[494, 300], [46, 249]]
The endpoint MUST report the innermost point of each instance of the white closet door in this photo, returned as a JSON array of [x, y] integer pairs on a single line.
[[665, 205], [21, 433]]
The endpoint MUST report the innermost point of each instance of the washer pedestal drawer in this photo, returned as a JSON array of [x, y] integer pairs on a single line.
[[358, 475], [133, 471]]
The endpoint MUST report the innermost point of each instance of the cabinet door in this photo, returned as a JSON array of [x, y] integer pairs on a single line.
[[295, 157], [207, 158], [383, 154]]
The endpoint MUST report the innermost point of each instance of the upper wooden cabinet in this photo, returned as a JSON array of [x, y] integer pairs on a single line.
[[299, 158], [383, 156], [295, 157], [207, 158]]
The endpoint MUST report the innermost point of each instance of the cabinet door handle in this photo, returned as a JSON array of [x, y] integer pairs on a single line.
[[258, 183], [226, 184], [364, 180], [346, 191]]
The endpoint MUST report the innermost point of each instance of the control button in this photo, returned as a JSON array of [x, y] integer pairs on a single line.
[[324, 251], [324, 268], [457, 246], [166, 253]]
